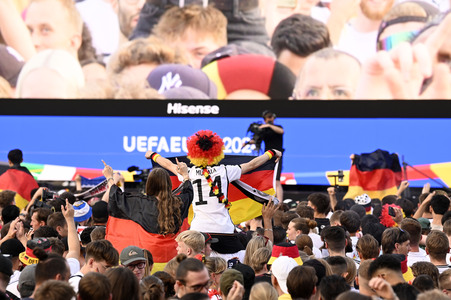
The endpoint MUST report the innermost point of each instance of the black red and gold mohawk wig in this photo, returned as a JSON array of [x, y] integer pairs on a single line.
[[205, 148]]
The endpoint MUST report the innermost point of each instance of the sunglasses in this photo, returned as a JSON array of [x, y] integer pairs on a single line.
[[393, 40]]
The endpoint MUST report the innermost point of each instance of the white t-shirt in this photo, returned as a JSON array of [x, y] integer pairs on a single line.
[[74, 265], [209, 214], [354, 255], [316, 240], [361, 45], [74, 280], [13, 282], [413, 257]]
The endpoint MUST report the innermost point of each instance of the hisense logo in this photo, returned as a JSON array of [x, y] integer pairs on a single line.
[[178, 108]]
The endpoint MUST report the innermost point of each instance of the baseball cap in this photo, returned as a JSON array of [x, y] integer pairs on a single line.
[[82, 211], [425, 223], [27, 281], [169, 76], [131, 254], [280, 268], [285, 249], [6, 266], [12, 247], [228, 278], [209, 239], [248, 277]]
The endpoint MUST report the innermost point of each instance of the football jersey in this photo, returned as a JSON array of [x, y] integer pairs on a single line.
[[210, 215]]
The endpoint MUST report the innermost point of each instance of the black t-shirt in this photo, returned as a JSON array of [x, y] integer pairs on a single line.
[[322, 222], [272, 139]]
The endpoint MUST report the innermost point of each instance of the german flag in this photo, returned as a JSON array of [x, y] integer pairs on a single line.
[[123, 233], [243, 208], [377, 174], [20, 182]]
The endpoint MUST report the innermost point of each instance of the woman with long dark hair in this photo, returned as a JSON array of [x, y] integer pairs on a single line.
[[152, 220], [159, 210]]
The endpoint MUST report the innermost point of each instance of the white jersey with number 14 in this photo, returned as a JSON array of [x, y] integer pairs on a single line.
[[210, 215]]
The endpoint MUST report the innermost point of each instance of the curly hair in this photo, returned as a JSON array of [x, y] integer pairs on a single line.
[[159, 185]]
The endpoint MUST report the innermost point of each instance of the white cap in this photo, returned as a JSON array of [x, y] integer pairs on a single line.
[[363, 199], [280, 268]]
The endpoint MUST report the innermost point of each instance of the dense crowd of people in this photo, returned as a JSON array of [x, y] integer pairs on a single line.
[[211, 49], [123, 245]]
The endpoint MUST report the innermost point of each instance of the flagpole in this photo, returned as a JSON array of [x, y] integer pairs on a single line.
[[424, 174], [404, 168]]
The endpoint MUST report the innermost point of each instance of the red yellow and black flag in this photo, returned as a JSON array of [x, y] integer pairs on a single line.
[[377, 174], [20, 182]]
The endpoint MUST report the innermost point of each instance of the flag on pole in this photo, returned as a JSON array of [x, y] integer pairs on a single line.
[[377, 174]]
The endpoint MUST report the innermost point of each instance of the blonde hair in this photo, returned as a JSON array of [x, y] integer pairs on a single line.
[[142, 51], [59, 61], [255, 243], [215, 265], [263, 291], [176, 21], [259, 259], [193, 239]]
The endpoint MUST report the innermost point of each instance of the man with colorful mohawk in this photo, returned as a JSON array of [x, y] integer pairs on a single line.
[[210, 180]]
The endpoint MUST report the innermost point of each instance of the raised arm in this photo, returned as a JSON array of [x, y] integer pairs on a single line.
[[260, 160], [112, 179], [268, 211], [164, 162], [332, 197], [72, 236], [402, 187], [422, 208]]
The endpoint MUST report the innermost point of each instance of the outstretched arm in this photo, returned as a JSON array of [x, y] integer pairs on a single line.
[[260, 160], [162, 161]]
